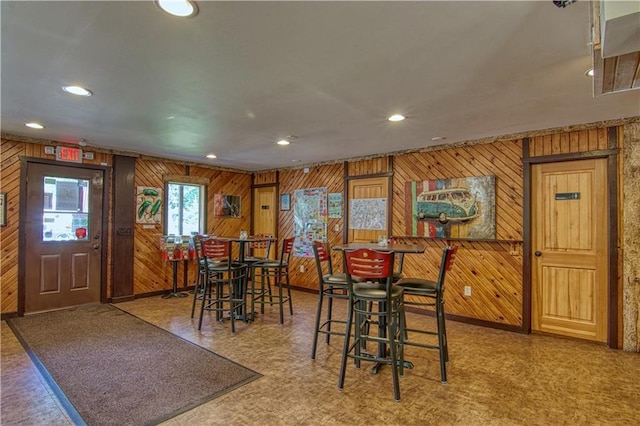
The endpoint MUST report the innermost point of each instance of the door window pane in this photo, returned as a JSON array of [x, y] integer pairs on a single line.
[[65, 210]]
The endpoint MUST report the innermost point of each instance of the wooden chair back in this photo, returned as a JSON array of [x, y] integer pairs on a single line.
[[369, 264]]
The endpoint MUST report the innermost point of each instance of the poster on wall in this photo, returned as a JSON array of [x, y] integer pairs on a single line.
[[335, 205], [451, 208], [368, 214], [310, 219], [226, 205], [148, 205]]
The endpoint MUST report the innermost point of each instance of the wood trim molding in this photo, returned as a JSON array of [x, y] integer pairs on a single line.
[[123, 232], [569, 157], [612, 190], [369, 176], [22, 238], [345, 204], [196, 180], [526, 237], [472, 321], [390, 196], [613, 213]]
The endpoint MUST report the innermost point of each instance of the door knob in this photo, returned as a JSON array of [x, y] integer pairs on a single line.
[[96, 246], [538, 253]]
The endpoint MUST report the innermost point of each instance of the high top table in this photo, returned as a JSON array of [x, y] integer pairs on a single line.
[[242, 242], [391, 247]]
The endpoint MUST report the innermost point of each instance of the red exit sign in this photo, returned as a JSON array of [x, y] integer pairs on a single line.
[[65, 153]]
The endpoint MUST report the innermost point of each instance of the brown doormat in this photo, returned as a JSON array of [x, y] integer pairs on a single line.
[[116, 369]]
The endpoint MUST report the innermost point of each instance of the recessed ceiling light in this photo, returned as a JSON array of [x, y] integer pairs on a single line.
[[77, 90], [212, 156], [438, 138], [34, 125], [180, 8], [396, 117], [283, 142], [589, 72]]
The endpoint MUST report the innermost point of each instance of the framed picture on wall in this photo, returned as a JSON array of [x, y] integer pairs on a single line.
[[226, 205], [285, 202]]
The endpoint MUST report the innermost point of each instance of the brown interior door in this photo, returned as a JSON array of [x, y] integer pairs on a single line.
[[63, 228], [264, 215], [569, 249], [377, 187]]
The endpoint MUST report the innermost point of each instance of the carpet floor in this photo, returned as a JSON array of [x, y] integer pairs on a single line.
[[114, 368]]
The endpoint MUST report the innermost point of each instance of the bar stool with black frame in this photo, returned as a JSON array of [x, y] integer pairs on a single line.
[[203, 272], [331, 286], [434, 292], [377, 268], [263, 245], [225, 274], [278, 271]]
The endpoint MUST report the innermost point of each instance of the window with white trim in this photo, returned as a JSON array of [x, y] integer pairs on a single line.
[[185, 208]]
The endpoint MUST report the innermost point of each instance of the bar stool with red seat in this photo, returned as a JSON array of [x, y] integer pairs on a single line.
[[377, 268], [229, 279], [259, 251], [331, 286], [203, 272], [434, 292], [276, 271]]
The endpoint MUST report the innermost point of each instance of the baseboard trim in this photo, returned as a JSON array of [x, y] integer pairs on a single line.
[[123, 299], [472, 321], [6, 316]]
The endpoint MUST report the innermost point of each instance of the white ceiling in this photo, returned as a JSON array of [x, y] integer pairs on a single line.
[[241, 75]]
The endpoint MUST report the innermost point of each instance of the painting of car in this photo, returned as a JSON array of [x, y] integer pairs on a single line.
[[452, 204]]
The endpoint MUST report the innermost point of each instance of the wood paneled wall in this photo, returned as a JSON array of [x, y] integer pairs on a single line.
[[10, 181], [11, 152], [150, 273], [569, 142], [265, 178], [492, 269], [370, 166], [331, 177]]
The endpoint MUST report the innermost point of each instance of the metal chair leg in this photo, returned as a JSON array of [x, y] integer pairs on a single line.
[[317, 325], [345, 347], [329, 312]]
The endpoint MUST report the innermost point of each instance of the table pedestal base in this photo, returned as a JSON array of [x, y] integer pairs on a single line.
[[171, 295], [377, 365]]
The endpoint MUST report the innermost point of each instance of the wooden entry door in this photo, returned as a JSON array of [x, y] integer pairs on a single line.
[[569, 249], [377, 187], [63, 253], [264, 215]]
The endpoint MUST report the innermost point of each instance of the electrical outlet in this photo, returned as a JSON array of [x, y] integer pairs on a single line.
[[336, 228], [301, 268], [467, 290]]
